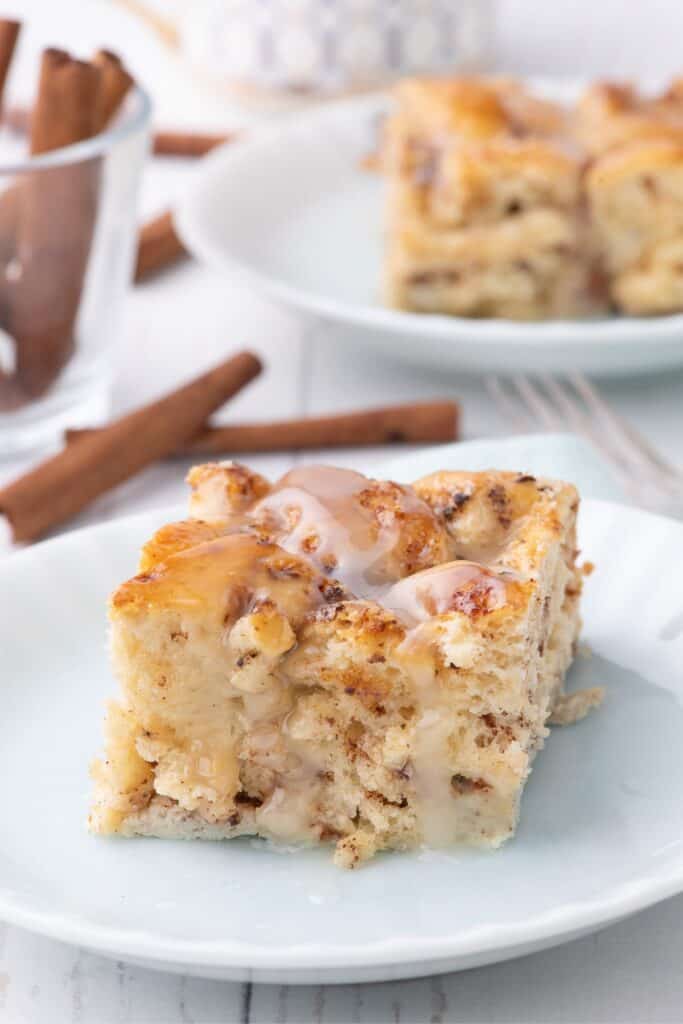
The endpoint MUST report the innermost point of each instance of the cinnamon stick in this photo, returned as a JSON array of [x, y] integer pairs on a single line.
[[393, 424], [66, 110], [63, 485], [115, 86], [158, 247], [9, 33], [188, 144]]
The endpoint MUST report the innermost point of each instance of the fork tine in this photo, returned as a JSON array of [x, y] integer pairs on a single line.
[[507, 405], [534, 400], [577, 419], [557, 405], [609, 438], [583, 424], [669, 475]]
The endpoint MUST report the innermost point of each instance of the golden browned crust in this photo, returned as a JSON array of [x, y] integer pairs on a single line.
[[483, 512], [221, 578], [613, 114], [175, 537], [465, 107], [635, 158], [227, 485], [477, 108]]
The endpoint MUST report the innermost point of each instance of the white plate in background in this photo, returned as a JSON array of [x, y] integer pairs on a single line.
[[292, 209], [601, 833]]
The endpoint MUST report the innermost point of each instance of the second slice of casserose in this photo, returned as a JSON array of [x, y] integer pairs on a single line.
[[334, 659]]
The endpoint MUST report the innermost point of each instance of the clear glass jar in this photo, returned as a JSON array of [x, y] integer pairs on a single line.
[[67, 245]]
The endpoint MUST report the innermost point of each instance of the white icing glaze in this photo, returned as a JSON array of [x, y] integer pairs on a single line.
[[321, 515], [455, 586]]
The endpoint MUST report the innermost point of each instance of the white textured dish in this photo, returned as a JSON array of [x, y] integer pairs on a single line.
[[601, 834], [292, 210]]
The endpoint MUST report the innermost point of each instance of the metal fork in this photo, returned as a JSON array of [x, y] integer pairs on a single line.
[[546, 403]]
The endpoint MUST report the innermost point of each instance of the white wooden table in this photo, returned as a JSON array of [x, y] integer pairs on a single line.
[[190, 318]]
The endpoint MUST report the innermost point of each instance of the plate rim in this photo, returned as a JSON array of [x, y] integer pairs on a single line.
[[600, 332], [551, 927]]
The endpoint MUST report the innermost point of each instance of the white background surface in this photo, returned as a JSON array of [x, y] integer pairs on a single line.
[[187, 320]]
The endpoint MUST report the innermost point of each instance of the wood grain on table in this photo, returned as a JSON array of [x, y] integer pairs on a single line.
[[629, 973]]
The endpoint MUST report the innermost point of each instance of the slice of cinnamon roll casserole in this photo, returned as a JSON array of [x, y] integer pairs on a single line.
[[339, 659]]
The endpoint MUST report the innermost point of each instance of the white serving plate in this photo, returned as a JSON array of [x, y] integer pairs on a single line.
[[601, 834], [292, 210]]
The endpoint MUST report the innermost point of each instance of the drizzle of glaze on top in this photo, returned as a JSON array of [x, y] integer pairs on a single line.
[[347, 525], [460, 586]]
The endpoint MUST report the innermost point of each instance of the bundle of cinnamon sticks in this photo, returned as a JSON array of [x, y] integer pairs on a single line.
[[48, 217], [94, 461]]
